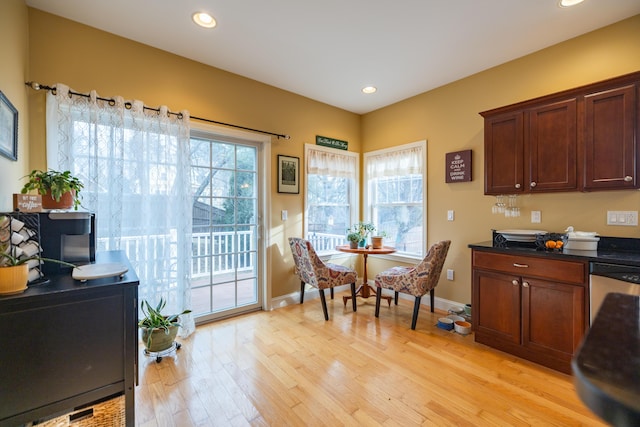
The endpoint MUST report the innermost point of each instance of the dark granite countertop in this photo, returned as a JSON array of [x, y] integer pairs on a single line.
[[606, 366], [613, 250]]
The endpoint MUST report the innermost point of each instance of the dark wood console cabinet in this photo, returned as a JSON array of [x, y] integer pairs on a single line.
[[67, 344], [532, 307], [582, 139]]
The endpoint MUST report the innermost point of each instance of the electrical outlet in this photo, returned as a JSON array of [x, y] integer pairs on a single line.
[[535, 217], [449, 274]]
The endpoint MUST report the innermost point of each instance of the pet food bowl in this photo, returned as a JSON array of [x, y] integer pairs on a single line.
[[462, 327], [445, 323], [455, 317]]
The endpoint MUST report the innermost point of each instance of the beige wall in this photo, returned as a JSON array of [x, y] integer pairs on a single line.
[[448, 118], [13, 72], [85, 59]]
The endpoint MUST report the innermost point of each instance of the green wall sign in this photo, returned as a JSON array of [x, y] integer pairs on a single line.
[[330, 142]]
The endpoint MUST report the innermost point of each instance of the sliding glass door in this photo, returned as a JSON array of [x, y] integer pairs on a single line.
[[225, 268]]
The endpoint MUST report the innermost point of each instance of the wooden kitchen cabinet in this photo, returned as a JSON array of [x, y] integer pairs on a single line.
[[532, 307], [582, 139], [611, 152], [533, 150]]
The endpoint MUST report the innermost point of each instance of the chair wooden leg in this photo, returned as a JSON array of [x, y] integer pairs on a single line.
[[331, 293], [395, 298], [301, 292], [378, 298], [416, 310], [353, 296], [432, 295], [324, 304]]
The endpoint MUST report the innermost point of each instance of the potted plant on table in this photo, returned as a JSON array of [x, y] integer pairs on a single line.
[[363, 230], [158, 330], [59, 190], [377, 240], [14, 272], [354, 239]]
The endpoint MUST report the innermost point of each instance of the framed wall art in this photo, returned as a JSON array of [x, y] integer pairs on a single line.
[[8, 129], [288, 174]]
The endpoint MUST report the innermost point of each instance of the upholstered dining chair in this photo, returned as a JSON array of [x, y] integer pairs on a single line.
[[312, 270], [416, 281]]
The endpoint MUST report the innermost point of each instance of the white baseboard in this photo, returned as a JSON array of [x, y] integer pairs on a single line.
[[441, 304]]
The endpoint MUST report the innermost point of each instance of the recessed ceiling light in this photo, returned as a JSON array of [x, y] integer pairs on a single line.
[[204, 19], [369, 89], [569, 3]]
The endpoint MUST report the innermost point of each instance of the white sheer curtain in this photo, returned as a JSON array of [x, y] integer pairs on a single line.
[[134, 164], [396, 163], [334, 164]]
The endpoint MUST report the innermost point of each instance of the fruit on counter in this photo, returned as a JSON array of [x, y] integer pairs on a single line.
[[554, 244]]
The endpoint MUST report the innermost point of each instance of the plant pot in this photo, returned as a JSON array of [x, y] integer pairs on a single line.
[[353, 244], [160, 341], [13, 279], [66, 201], [376, 242], [362, 243]]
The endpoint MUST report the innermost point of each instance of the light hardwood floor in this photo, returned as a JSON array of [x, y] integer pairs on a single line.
[[289, 367]]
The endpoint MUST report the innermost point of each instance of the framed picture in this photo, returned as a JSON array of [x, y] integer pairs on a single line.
[[8, 129], [288, 174]]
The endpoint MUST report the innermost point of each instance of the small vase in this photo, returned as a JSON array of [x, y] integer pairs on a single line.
[[362, 243]]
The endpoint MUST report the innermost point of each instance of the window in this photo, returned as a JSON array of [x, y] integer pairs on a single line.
[[331, 196], [395, 195]]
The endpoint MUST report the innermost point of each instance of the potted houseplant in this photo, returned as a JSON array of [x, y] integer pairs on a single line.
[[376, 240], [362, 229], [14, 272], [354, 239], [158, 330], [59, 190]]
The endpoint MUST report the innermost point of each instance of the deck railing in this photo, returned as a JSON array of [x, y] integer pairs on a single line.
[[222, 252]]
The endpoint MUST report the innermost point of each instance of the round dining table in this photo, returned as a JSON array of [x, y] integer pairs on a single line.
[[365, 290]]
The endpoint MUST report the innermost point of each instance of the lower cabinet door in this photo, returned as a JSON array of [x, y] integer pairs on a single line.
[[496, 305], [553, 321]]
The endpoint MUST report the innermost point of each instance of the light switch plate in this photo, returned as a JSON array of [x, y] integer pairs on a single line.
[[625, 218], [535, 217], [450, 215]]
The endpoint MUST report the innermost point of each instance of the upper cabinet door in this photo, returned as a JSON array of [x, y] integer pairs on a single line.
[[503, 151], [611, 151], [551, 148]]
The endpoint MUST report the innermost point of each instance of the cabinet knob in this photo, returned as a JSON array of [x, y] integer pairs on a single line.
[[515, 282], [518, 185], [525, 284], [533, 184], [628, 178]]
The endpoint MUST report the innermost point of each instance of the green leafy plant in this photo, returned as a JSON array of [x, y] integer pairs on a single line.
[[54, 182], [8, 260], [154, 319], [362, 229], [354, 237]]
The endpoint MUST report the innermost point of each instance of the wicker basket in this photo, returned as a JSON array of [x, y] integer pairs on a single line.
[[109, 413]]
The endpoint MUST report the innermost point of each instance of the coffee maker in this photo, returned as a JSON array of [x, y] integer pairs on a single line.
[[67, 236]]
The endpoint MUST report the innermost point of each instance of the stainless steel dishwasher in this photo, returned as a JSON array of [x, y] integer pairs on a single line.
[[605, 278]]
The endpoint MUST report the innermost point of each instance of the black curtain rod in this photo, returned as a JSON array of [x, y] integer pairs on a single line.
[[127, 105]]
